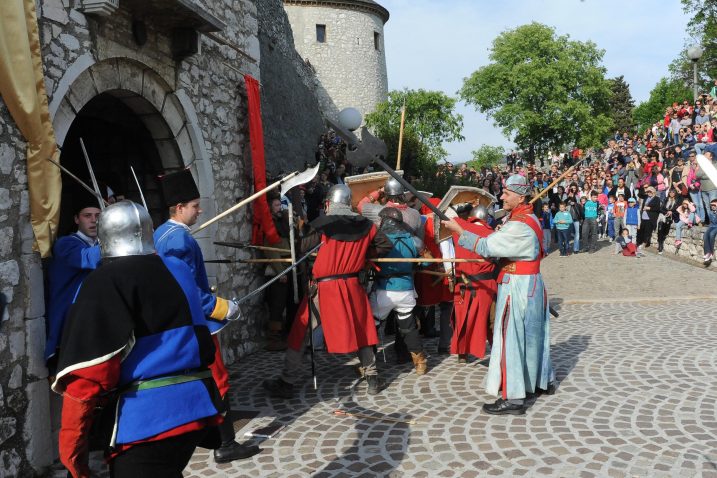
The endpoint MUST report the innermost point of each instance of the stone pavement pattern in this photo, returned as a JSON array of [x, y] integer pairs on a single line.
[[635, 396]]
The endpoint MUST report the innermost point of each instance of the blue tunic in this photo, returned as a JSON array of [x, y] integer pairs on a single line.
[[398, 275], [73, 258], [521, 308], [172, 239]]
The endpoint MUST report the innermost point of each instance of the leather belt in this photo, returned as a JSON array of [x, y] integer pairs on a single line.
[[336, 277]]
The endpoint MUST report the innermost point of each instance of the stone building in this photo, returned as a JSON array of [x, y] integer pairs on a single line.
[[158, 86], [343, 41]]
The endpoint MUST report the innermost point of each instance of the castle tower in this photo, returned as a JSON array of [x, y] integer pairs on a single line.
[[343, 41]]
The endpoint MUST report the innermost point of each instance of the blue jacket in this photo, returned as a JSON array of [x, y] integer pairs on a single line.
[[398, 275], [173, 239], [73, 258], [632, 216], [591, 209]]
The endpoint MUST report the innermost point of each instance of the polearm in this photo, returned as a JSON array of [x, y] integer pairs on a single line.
[[351, 140], [551, 185], [296, 177], [378, 260], [238, 245], [77, 180], [400, 134]]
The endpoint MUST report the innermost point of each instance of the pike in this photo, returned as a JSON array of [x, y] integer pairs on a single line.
[[303, 178], [92, 176], [239, 245], [139, 188], [361, 153], [377, 260], [77, 180], [296, 178], [400, 134], [280, 275]]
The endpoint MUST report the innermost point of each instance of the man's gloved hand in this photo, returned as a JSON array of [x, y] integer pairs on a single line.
[[234, 312], [77, 416]]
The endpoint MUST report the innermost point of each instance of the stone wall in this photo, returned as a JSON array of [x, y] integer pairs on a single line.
[[290, 110], [351, 70], [691, 247]]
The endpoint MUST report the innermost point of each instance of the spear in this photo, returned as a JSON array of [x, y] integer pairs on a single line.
[[400, 134], [383, 259]]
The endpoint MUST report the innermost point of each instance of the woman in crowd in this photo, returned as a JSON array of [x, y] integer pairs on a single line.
[[649, 212], [667, 217], [687, 217]]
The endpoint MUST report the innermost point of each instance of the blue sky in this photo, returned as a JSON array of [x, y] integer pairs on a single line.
[[434, 44]]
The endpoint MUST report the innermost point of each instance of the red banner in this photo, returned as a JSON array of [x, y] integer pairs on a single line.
[[262, 224]]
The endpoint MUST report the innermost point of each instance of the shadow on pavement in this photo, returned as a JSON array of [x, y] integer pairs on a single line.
[[565, 355]]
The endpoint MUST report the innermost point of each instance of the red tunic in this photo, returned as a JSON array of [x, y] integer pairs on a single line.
[[472, 306], [429, 292], [346, 315]]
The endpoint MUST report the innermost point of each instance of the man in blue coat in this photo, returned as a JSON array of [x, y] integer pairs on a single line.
[[74, 257]]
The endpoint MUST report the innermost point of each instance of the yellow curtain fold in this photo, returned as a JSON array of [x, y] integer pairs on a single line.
[[22, 88]]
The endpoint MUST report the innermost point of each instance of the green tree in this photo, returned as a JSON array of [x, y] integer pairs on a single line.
[[621, 104], [431, 120], [702, 29], [545, 91], [665, 92], [486, 156]]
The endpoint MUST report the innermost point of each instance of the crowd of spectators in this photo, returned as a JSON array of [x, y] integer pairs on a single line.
[[638, 184]]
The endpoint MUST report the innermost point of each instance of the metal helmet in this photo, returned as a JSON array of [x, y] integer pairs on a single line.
[[339, 194], [391, 213], [480, 212], [393, 188], [125, 229]]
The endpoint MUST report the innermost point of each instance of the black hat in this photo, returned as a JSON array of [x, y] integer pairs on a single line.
[[178, 188]]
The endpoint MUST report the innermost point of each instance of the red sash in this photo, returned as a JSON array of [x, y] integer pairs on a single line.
[[524, 214]]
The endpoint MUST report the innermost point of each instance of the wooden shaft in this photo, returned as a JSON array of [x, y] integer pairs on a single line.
[[384, 259], [433, 273], [238, 245], [244, 202], [400, 136], [550, 186]]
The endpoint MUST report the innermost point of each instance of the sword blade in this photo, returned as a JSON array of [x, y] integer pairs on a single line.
[[139, 188], [92, 175]]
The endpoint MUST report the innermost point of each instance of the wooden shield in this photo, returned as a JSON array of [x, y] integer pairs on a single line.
[[460, 195], [362, 184]]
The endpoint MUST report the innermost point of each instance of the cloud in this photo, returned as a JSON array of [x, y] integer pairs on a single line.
[[434, 44]]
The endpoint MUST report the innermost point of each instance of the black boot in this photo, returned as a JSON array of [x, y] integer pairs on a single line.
[[230, 450], [278, 388], [375, 384]]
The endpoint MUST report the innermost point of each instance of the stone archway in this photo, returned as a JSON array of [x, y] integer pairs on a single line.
[[167, 114]]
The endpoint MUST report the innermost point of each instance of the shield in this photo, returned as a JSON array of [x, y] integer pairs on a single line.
[[362, 184], [460, 195]]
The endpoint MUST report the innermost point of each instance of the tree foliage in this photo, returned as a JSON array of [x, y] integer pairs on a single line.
[[431, 120], [487, 156], [545, 91], [665, 92], [702, 29], [621, 104]]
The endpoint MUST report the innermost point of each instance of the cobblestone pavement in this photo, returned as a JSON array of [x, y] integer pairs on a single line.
[[635, 399]]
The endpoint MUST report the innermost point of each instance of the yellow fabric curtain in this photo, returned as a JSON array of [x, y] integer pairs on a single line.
[[22, 88]]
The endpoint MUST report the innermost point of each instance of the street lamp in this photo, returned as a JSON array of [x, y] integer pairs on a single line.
[[695, 53]]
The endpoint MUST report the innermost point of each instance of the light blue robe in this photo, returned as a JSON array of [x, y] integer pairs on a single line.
[[522, 300]]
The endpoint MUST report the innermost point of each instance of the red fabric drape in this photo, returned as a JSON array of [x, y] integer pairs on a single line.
[[262, 224]]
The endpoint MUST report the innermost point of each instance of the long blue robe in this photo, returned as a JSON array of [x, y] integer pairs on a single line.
[[521, 308], [172, 239], [73, 259]]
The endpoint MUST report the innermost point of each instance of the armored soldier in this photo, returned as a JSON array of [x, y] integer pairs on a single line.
[[339, 300], [395, 194], [136, 343]]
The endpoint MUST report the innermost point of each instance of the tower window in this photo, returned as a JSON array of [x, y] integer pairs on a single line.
[[377, 40], [321, 33]]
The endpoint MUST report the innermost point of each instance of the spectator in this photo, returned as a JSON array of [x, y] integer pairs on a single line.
[[546, 222], [666, 219], [625, 244], [649, 214], [708, 190], [710, 232], [693, 184], [632, 217], [590, 229], [687, 217], [563, 221], [576, 212]]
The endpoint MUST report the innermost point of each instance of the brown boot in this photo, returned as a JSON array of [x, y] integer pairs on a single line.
[[275, 342], [420, 362]]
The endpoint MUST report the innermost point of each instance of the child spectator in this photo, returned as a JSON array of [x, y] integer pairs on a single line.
[[632, 217], [563, 222], [610, 212], [546, 220], [710, 233], [618, 212], [590, 227], [686, 212], [625, 244]]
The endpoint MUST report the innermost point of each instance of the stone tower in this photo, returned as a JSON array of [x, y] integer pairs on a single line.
[[343, 42]]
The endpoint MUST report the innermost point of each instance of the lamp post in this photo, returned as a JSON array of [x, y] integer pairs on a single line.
[[695, 53]]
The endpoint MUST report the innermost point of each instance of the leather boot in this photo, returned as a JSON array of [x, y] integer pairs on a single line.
[[375, 384], [420, 362], [275, 342]]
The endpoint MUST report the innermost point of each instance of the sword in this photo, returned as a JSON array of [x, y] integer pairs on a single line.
[[92, 175], [139, 188], [279, 276], [78, 180]]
